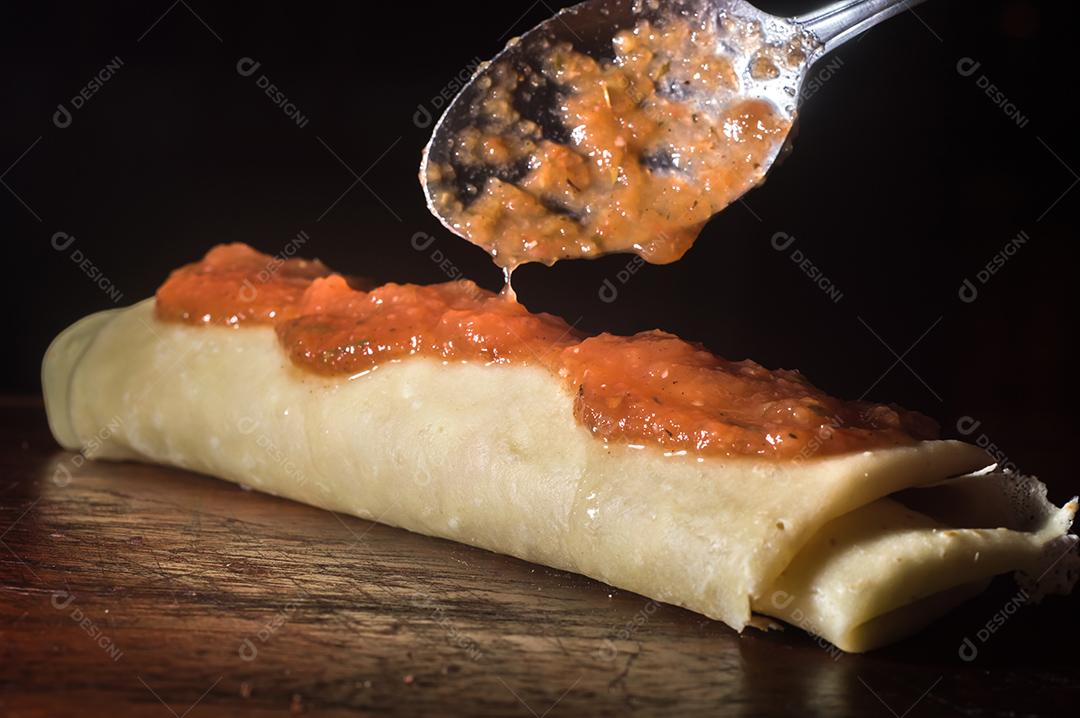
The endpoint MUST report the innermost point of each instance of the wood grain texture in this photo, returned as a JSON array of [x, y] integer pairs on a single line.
[[138, 590]]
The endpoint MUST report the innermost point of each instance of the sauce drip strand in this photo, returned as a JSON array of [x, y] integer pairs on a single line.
[[652, 389], [649, 144]]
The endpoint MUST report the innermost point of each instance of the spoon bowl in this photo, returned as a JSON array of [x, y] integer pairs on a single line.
[[623, 125]]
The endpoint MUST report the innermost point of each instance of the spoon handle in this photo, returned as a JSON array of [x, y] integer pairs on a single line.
[[837, 23]]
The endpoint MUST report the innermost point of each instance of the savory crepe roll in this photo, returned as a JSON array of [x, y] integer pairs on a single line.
[[643, 462]]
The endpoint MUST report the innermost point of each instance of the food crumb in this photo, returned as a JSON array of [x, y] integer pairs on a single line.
[[245, 689], [409, 679], [297, 705]]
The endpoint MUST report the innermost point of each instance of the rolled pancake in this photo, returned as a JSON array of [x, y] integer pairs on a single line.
[[492, 456]]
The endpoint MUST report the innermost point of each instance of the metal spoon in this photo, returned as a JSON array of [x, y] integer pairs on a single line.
[[479, 170]]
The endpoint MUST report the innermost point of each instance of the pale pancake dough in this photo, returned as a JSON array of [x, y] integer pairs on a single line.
[[492, 456]]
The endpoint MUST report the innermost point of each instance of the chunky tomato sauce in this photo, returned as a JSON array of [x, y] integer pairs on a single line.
[[650, 390], [661, 138], [234, 284], [339, 330]]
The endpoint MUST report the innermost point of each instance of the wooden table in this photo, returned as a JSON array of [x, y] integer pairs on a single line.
[[138, 590]]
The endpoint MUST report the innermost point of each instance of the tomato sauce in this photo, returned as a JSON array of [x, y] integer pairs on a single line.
[[661, 138], [235, 285], [339, 330], [649, 390]]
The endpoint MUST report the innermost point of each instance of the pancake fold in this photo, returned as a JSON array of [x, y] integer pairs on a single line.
[[860, 549]]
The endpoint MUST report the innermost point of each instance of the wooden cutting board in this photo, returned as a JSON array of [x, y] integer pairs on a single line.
[[138, 590]]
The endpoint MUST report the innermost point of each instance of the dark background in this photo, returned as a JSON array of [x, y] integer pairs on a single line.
[[906, 179]]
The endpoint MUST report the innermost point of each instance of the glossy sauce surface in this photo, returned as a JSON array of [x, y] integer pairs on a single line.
[[234, 285], [649, 390], [339, 330]]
